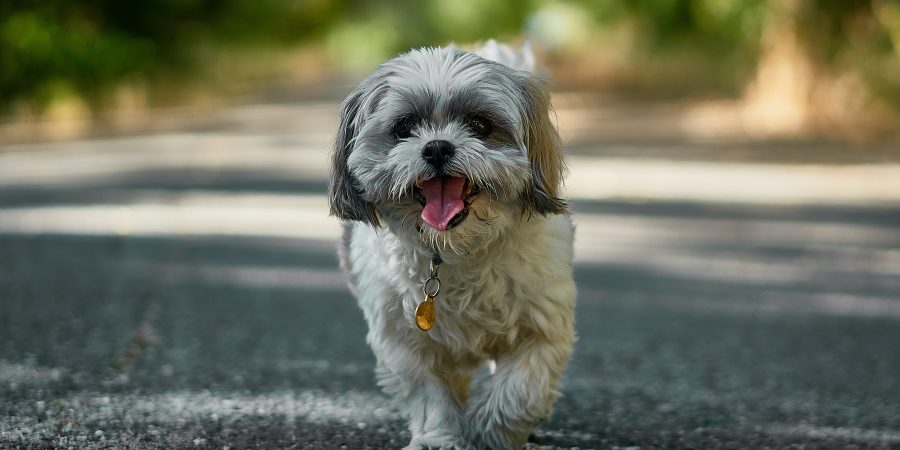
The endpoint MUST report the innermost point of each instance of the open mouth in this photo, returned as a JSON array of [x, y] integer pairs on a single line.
[[445, 200]]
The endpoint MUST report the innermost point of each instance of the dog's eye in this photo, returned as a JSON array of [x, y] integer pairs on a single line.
[[403, 127], [480, 126]]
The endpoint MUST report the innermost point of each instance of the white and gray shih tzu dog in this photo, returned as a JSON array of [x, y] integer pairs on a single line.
[[447, 171]]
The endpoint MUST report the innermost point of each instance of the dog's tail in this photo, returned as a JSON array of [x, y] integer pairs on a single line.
[[518, 58]]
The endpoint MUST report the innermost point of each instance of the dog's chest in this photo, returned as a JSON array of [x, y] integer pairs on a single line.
[[484, 308], [487, 302]]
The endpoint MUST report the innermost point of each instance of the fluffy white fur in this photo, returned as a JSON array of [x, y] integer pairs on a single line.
[[507, 293]]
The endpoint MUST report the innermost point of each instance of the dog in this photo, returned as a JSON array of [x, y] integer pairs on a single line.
[[447, 172]]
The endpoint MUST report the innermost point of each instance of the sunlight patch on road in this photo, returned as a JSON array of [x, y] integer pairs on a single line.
[[780, 303], [201, 154], [301, 158], [777, 184], [200, 212], [686, 247], [704, 268], [701, 243], [186, 213], [833, 304], [268, 277]]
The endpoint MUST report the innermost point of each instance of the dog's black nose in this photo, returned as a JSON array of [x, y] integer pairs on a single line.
[[437, 153]]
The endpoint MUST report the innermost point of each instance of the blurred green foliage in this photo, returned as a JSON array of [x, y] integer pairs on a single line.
[[54, 47], [50, 48]]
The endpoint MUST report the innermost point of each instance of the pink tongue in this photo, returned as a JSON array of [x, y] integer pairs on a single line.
[[443, 200]]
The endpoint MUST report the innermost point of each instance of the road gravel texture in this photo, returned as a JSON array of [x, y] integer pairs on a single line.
[[180, 290]]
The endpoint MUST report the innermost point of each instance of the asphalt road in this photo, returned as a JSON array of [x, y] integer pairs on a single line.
[[181, 290]]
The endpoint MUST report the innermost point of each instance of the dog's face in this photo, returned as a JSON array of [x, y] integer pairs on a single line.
[[446, 148]]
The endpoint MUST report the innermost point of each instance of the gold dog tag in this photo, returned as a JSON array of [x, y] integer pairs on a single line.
[[425, 313]]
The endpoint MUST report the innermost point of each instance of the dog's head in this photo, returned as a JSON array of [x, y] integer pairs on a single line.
[[447, 148]]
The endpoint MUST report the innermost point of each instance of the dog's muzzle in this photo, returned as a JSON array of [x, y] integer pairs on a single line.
[[445, 200]]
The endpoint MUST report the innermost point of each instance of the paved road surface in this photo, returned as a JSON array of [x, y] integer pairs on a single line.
[[180, 290]]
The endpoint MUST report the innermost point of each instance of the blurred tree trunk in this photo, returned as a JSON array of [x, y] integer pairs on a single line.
[[815, 57], [777, 101]]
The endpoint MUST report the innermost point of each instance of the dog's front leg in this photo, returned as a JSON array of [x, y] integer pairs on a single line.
[[435, 414], [520, 394]]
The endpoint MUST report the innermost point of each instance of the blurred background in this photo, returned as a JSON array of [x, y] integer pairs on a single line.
[[795, 66], [167, 265]]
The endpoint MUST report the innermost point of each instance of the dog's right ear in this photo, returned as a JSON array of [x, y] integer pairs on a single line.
[[344, 196], [544, 151]]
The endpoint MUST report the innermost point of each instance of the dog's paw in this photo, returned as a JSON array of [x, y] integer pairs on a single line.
[[489, 430], [492, 440], [435, 441], [436, 447]]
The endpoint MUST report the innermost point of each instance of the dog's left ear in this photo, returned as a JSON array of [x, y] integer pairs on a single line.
[[544, 152], [344, 197]]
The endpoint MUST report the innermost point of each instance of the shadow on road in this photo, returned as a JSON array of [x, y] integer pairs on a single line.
[[701, 325]]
